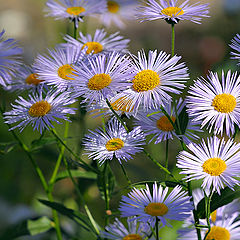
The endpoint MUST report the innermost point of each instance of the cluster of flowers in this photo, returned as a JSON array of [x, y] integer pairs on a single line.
[[104, 75]]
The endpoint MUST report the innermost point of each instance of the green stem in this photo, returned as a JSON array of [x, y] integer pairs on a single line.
[[125, 174], [208, 211], [157, 231], [166, 159], [173, 39], [74, 29], [106, 193]]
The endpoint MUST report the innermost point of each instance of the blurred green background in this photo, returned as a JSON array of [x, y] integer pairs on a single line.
[[203, 47]]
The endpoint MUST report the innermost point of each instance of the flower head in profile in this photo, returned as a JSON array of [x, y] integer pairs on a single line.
[[216, 102], [99, 42], [10, 56], [172, 11], [102, 145], [154, 77], [75, 10], [146, 205], [40, 110], [216, 162], [134, 230], [235, 45], [57, 67]]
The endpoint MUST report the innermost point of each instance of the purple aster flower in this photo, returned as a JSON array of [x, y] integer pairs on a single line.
[[102, 145], [236, 46]]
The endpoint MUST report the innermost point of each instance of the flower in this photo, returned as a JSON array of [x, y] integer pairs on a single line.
[[236, 46], [117, 11], [40, 111], [216, 103], [99, 43], [57, 68], [152, 79], [216, 162], [135, 230], [102, 76], [158, 124], [103, 145], [9, 59], [74, 10], [172, 12], [146, 206]]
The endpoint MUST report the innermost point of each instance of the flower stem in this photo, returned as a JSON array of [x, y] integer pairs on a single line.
[[173, 39], [125, 174], [157, 231], [106, 192]]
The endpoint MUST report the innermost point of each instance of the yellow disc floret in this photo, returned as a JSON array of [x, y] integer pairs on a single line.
[[114, 144], [156, 209], [145, 80], [224, 103], [66, 71], [214, 216], [132, 237], [75, 10], [214, 166], [94, 47], [164, 124], [33, 79], [39, 109], [113, 7], [172, 11], [99, 81], [218, 233]]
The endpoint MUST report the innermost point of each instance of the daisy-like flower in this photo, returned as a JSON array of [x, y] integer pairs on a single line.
[[160, 126], [146, 205], [102, 145], [236, 47], [102, 76], [75, 10], [99, 43], [25, 79], [134, 231], [216, 102], [57, 68], [40, 111], [118, 11], [153, 78], [9, 59], [216, 162], [172, 11]]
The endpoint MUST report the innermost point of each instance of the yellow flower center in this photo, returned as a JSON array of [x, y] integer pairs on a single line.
[[122, 104], [75, 10], [65, 71], [172, 11], [32, 79], [132, 237], [218, 233], [145, 80], [113, 7], [94, 47], [39, 109], [164, 124], [224, 103], [99, 81], [114, 144], [214, 216], [156, 209], [214, 166]]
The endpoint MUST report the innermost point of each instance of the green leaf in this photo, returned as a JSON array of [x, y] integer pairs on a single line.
[[38, 226], [77, 174], [183, 120], [39, 143], [227, 196], [80, 218], [7, 147]]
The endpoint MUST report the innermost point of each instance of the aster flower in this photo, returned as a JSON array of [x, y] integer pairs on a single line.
[[153, 78], [102, 76], [236, 46], [99, 43], [216, 102], [102, 145], [134, 231], [74, 10], [57, 68], [172, 11], [147, 206], [161, 128], [117, 12], [216, 162], [9, 59], [40, 111]]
